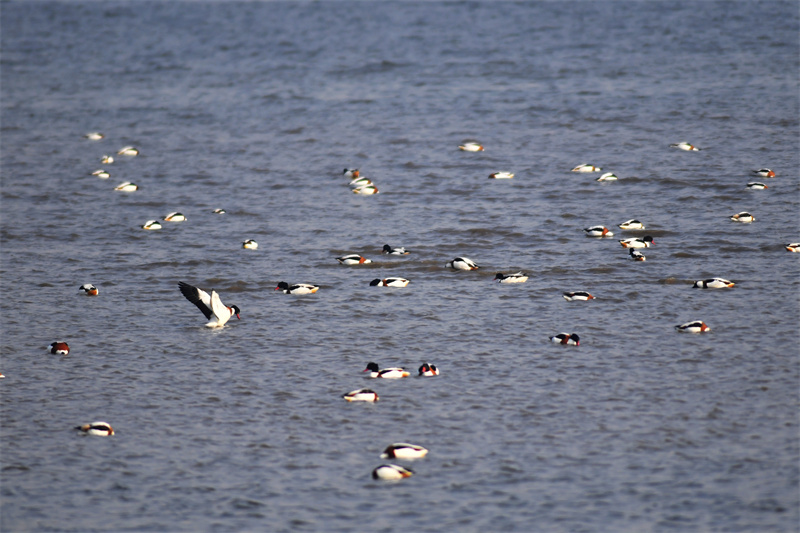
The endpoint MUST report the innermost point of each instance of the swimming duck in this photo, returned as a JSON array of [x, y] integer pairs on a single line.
[[713, 283], [126, 187], [577, 296], [250, 244], [636, 255], [152, 225], [685, 146], [756, 186], [107, 159], [644, 242], [471, 147], [428, 370], [360, 182], [764, 173], [608, 176], [462, 263], [350, 173], [792, 247], [99, 429], [102, 174], [94, 136], [631, 224], [297, 288], [697, 326], [59, 348], [516, 277], [501, 176], [598, 231], [175, 217], [211, 306], [353, 259], [571, 339], [391, 472], [385, 373], [389, 282], [129, 151], [361, 395], [395, 251], [219, 211], [366, 190], [744, 217], [404, 450], [88, 289], [586, 167]]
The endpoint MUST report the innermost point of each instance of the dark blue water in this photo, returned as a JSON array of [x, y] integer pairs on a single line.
[[256, 108]]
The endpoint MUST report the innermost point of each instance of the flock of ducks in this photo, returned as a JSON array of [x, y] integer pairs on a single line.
[[218, 314]]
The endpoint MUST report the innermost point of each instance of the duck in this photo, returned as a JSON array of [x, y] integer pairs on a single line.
[[98, 429], [395, 251], [107, 159], [744, 217], [361, 395], [211, 306], [152, 225], [127, 186], [428, 370], [756, 186], [792, 247], [175, 217], [350, 173], [366, 190], [59, 348], [764, 173], [129, 151], [219, 211], [685, 146], [608, 176], [644, 242], [404, 450], [101, 173], [360, 182], [470, 147], [89, 289], [577, 296], [636, 255], [631, 224], [391, 472], [385, 373], [696, 326], [250, 244], [353, 259], [571, 339], [713, 283], [94, 136], [501, 176], [297, 288], [462, 263], [586, 167], [598, 231], [389, 282], [516, 277]]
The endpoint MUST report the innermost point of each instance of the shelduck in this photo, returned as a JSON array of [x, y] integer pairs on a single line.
[[366, 190], [608, 176], [764, 173], [107, 159], [685, 146], [350, 173], [462, 263], [361, 395], [792, 247], [89, 289], [631, 224], [577, 296], [391, 472], [59, 348], [713, 283], [127, 186], [353, 259], [516, 277], [386, 373], [389, 282], [697, 326], [636, 255], [598, 231], [297, 288], [94, 136], [98, 429], [211, 306], [395, 251], [152, 225], [756, 186], [219, 211], [471, 147], [250, 244], [644, 242], [501, 176], [404, 450], [101, 173], [175, 217], [129, 151], [427, 370], [571, 339], [744, 217]]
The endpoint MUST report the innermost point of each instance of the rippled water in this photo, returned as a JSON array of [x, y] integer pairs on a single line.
[[257, 108]]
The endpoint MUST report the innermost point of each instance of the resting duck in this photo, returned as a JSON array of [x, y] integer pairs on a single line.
[[636, 255], [175, 217], [764, 173], [501, 176], [88, 289], [353, 259], [391, 472], [427, 370], [471, 147], [107, 159], [152, 225], [644, 242], [404, 450], [250, 244], [462, 263], [713, 283], [102, 174], [361, 395], [608, 176], [697, 326], [792, 247], [516, 277], [685, 146], [219, 211], [126, 186], [756, 186], [98, 429], [577, 296], [385, 373], [389, 282], [585, 167], [598, 231], [129, 151], [744, 217], [631, 224], [297, 288], [571, 339], [94, 136], [350, 173], [59, 348], [395, 251]]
